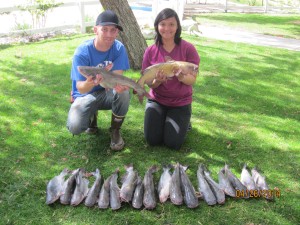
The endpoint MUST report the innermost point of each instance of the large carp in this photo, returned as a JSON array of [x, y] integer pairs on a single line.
[[175, 186], [111, 79], [247, 179], [164, 184], [103, 201], [149, 199], [68, 188], [129, 181], [235, 182], [137, 199], [55, 187], [218, 192], [170, 68], [260, 182], [93, 193], [81, 189], [204, 188], [225, 184], [114, 194], [189, 194]]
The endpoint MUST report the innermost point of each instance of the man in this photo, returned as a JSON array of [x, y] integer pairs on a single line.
[[89, 97]]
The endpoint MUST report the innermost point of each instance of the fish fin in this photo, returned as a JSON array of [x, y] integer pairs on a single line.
[[167, 166], [128, 166], [198, 194], [141, 97], [178, 72], [168, 59], [124, 177], [97, 172], [153, 169], [184, 167], [257, 169]]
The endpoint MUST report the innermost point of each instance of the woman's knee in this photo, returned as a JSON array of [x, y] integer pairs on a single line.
[[173, 143]]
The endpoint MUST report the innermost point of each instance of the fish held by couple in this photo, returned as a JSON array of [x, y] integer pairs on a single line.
[[111, 79], [170, 68]]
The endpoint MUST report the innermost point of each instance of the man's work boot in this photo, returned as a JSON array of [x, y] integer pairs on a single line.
[[117, 142], [93, 127]]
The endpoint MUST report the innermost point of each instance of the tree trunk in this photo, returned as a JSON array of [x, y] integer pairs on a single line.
[[132, 36]]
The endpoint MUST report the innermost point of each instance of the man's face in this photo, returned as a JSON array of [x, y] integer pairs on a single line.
[[107, 34]]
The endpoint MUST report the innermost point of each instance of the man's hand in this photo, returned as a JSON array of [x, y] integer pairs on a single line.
[[109, 67], [96, 80], [120, 88]]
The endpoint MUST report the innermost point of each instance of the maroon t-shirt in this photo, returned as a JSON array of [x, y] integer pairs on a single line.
[[173, 92]]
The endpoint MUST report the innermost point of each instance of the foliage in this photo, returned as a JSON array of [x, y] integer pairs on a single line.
[[38, 10], [252, 2], [23, 26], [245, 109]]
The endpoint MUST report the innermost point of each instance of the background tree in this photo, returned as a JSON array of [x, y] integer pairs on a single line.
[[132, 36], [38, 10]]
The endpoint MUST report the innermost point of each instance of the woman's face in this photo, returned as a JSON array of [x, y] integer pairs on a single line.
[[167, 28]]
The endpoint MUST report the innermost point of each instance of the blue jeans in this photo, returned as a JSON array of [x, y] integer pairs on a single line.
[[83, 108]]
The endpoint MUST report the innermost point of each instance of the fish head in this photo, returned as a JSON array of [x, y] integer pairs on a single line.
[[189, 68]]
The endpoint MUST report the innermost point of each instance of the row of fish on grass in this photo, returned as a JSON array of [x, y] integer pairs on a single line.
[[72, 187]]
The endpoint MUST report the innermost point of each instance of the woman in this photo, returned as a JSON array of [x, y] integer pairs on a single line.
[[168, 111]]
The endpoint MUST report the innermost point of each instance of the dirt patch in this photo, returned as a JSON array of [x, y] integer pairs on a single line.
[[296, 22]]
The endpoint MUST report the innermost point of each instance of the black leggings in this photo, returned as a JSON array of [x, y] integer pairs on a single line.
[[166, 125]]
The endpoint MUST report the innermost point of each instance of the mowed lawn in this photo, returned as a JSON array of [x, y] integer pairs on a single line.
[[246, 109]]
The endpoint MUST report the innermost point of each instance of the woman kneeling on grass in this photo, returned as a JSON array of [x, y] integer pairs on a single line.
[[168, 111]]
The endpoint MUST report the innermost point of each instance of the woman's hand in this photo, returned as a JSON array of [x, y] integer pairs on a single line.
[[186, 78], [160, 78]]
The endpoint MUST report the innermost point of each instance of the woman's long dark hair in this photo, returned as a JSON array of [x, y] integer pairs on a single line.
[[166, 14]]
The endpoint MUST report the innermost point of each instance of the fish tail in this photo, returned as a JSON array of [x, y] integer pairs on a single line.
[[141, 97], [153, 169]]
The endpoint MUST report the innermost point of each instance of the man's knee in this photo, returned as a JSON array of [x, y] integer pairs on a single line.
[[124, 96], [75, 128]]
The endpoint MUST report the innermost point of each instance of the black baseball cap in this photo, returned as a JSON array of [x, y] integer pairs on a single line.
[[108, 17]]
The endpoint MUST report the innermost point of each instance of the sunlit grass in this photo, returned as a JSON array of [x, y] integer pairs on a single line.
[[245, 109]]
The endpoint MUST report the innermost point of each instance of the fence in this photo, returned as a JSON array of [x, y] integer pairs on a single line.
[[80, 14], [69, 15]]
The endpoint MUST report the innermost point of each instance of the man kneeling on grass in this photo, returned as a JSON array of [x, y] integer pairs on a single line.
[[89, 97]]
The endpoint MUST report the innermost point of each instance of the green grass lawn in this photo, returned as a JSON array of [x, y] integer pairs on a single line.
[[285, 25], [246, 109]]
